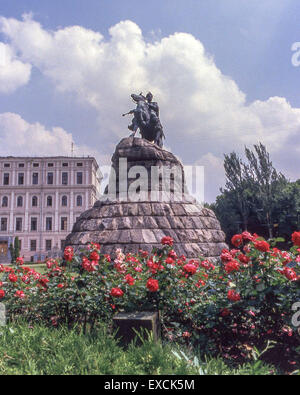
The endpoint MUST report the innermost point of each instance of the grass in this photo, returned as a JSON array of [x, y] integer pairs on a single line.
[[39, 350]]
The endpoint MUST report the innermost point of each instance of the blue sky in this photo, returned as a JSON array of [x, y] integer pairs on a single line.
[[236, 74]]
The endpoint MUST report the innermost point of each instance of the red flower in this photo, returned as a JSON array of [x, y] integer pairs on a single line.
[[50, 263], [60, 285], [290, 274], [232, 266], [243, 258], [237, 240], [233, 296], [20, 260], [152, 285], [20, 294], [169, 260], [129, 279], [68, 254], [262, 245], [94, 256], [186, 334], [225, 312], [13, 278], [116, 292], [2, 293], [296, 238], [190, 268], [26, 279], [225, 255], [167, 240]]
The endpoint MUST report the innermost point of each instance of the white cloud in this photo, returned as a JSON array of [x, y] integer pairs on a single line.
[[202, 110], [18, 137], [13, 72]]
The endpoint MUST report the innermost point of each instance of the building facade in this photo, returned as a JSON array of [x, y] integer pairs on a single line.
[[40, 200]]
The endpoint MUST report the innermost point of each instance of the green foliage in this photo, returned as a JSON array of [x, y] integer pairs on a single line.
[[256, 197], [38, 350]]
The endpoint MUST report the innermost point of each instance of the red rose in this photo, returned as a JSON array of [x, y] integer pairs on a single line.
[[20, 294], [232, 266], [290, 274], [237, 240], [296, 238], [234, 296], [225, 312], [247, 236], [116, 292], [169, 260], [152, 285], [94, 256], [13, 278], [190, 268], [20, 260], [225, 255], [60, 285], [129, 279], [167, 240], [262, 245], [2, 293], [26, 279], [68, 254]]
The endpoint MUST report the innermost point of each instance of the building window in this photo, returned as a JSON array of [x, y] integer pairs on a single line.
[[49, 201], [32, 245], [50, 164], [79, 201], [48, 245], [65, 164], [3, 224], [36, 165], [62, 244], [21, 164], [6, 164], [6, 179], [64, 201], [4, 201], [33, 224], [48, 223], [79, 164], [20, 178], [64, 223], [19, 201], [79, 177], [18, 224], [35, 178], [34, 201], [64, 178], [50, 179]]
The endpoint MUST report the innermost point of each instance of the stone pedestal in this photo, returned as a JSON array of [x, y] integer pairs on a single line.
[[118, 221], [128, 323]]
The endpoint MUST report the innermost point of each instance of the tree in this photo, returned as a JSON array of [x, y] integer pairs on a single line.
[[238, 184], [15, 249], [265, 183], [256, 197]]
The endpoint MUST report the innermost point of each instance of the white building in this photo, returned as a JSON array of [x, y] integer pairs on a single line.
[[41, 198]]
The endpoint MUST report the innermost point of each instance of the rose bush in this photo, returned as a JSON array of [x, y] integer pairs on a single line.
[[243, 298]]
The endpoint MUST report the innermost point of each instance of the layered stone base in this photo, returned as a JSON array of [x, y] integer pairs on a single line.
[[134, 226]]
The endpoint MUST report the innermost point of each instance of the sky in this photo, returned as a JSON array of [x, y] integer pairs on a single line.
[[221, 72]]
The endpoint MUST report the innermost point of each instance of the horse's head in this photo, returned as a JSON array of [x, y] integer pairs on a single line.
[[137, 98]]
